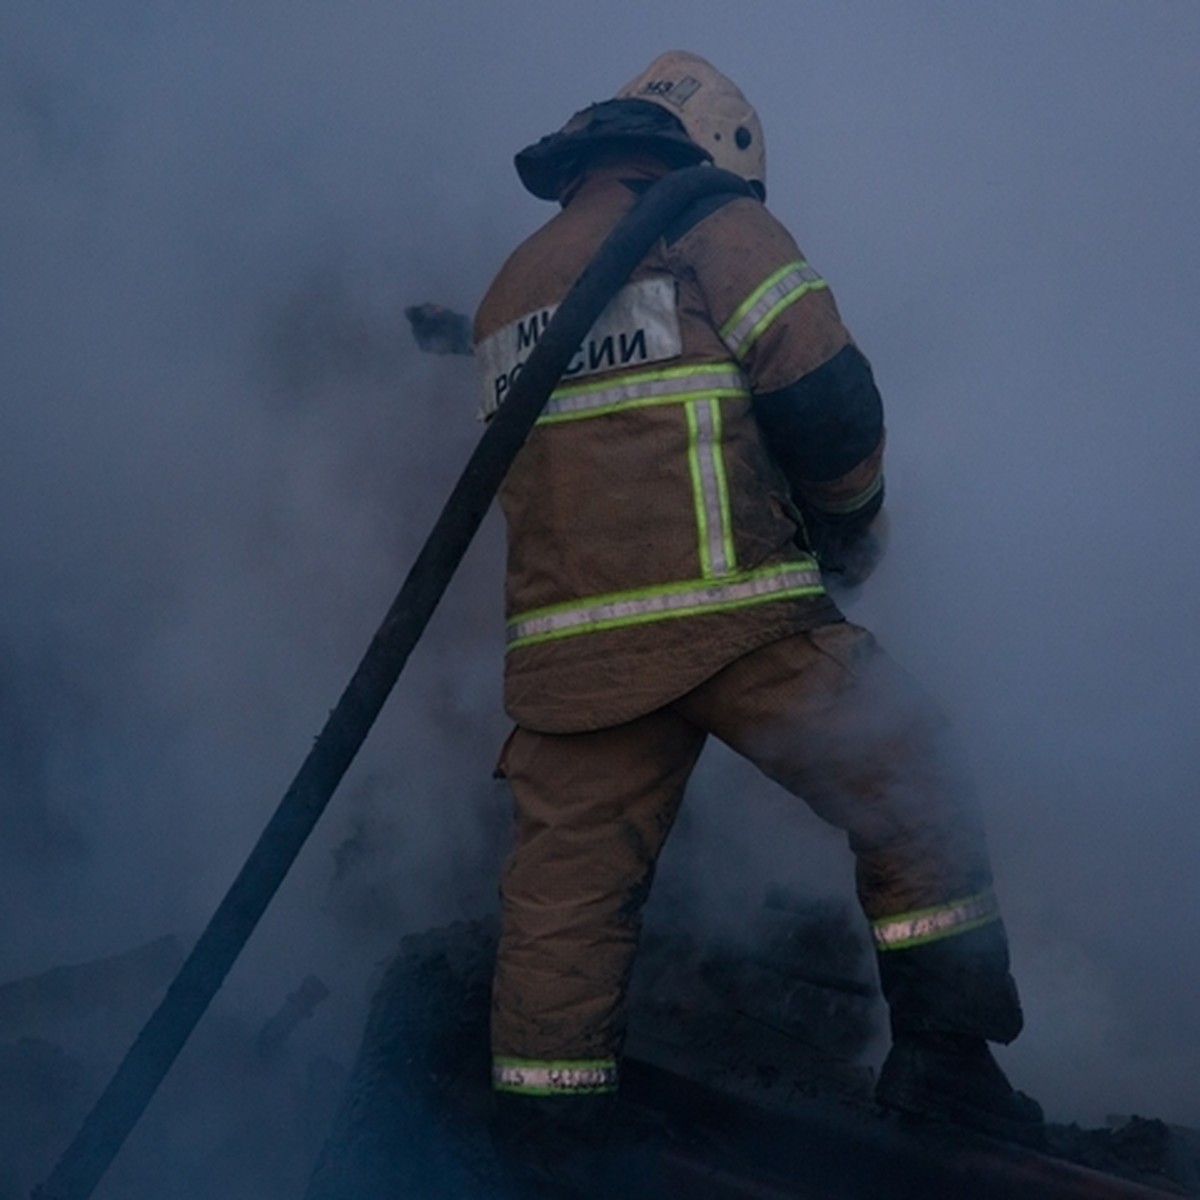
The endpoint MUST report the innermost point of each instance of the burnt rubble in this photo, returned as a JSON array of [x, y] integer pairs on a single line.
[[756, 1052], [241, 1115], [747, 1058], [43, 1003]]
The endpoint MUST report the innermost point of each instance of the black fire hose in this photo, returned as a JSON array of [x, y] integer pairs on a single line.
[[148, 1060]]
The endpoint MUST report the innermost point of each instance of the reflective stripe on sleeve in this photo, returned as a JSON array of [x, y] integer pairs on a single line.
[[753, 316], [690, 598], [841, 508], [531, 1077], [924, 925], [676, 385]]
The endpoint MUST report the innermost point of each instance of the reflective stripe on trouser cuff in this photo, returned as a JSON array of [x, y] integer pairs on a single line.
[[691, 598], [533, 1077], [755, 314], [906, 930]]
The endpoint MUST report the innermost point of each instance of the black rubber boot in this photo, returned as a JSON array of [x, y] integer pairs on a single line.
[[551, 1145], [574, 1146], [959, 984], [954, 1078]]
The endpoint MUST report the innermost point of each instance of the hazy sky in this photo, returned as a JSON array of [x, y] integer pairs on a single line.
[[219, 453]]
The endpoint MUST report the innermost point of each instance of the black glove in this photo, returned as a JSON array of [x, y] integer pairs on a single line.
[[850, 552]]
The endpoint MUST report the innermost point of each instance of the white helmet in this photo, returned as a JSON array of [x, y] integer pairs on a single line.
[[713, 112]]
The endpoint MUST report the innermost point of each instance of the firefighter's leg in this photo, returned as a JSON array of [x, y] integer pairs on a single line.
[[829, 716], [592, 813]]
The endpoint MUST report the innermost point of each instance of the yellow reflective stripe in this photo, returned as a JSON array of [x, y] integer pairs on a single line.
[[740, 313], [534, 1077], [710, 492], [672, 386], [779, 290], [699, 371], [696, 471], [693, 597], [923, 925], [844, 507], [722, 489]]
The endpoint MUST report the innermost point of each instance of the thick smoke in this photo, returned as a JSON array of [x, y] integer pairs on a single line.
[[219, 452]]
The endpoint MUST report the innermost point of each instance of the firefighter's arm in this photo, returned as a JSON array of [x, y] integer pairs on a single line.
[[815, 397], [826, 432]]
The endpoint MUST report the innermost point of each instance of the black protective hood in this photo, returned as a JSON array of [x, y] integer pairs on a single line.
[[637, 125]]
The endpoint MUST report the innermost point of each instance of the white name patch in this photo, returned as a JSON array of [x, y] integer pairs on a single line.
[[639, 325]]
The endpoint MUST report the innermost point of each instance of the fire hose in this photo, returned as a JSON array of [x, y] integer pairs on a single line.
[[124, 1100]]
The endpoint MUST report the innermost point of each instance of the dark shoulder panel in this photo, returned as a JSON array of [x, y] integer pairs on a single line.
[[827, 422]]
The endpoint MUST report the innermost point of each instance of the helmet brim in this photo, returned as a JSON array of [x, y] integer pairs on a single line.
[[549, 164]]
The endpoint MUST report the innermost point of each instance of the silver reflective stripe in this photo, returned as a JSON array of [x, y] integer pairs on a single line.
[[764, 304], [695, 597], [931, 924], [711, 493], [640, 324], [535, 1078], [639, 391]]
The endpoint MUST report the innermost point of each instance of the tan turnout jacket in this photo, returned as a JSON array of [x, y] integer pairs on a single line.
[[651, 537]]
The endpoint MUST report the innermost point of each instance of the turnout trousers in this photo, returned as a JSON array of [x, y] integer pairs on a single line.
[[830, 717]]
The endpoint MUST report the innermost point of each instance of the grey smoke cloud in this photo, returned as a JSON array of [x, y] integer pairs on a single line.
[[219, 452]]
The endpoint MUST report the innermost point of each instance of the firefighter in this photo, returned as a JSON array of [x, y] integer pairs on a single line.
[[712, 453]]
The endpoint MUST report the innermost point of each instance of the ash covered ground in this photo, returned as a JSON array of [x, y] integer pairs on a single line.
[[749, 1056]]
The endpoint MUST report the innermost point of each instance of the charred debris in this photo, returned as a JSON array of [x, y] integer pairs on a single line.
[[749, 1060], [239, 1117], [748, 1057]]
